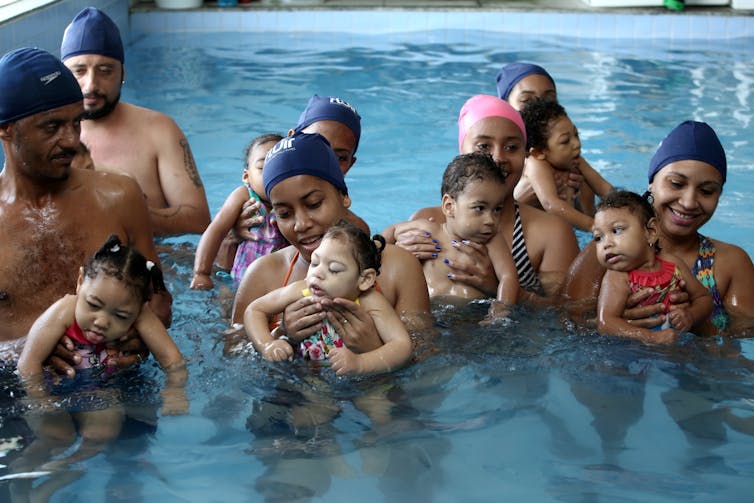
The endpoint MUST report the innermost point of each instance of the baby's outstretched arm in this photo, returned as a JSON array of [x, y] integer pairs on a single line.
[[257, 317], [166, 352], [211, 239]]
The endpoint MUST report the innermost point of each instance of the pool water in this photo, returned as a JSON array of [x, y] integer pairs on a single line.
[[524, 410]]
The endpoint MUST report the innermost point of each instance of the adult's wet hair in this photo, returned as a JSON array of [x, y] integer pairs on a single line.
[[126, 264], [466, 168], [367, 251], [538, 115]]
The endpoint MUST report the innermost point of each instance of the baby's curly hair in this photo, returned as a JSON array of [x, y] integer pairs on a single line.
[[467, 168], [537, 116]]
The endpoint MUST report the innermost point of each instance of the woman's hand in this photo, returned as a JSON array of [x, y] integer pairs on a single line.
[[354, 324], [650, 316], [474, 267], [249, 217], [415, 237], [302, 319]]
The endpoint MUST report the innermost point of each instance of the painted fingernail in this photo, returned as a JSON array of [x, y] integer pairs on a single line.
[[451, 275], [447, 261], [438, 248], [453, 241], [465, 241], [427, 234], [435, 241], [434, 255]]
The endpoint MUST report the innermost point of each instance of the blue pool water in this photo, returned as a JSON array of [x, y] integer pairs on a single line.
[[525, 411]]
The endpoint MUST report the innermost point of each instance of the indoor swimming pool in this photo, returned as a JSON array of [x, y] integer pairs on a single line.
[[529, 410]]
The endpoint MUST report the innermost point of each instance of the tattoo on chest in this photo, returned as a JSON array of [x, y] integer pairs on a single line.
[[189, 164]]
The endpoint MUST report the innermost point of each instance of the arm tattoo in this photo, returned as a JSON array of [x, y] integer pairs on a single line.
[[188, 162]]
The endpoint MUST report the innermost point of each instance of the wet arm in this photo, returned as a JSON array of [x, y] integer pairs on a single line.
[[258, 315], [614, 293], [218, 229], [44, 336], [598, 184], [187, 210], [543, 183]]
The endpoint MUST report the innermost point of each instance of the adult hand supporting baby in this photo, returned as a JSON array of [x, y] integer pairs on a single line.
[[415, 236], [474, 268], [302, 319], [249, 217], [647, 316], [63, 359], [354, 325]]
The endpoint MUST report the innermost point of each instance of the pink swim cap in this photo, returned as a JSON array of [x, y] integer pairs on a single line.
[[482, 106]]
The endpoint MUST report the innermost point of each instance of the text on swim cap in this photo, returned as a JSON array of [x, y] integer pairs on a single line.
[[338, 101], [283, 144], [49, 78]]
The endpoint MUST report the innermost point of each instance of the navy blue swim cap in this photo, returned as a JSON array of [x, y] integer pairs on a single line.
[[92, 32], [511, 74], [690, 141], [330, 108], [302, 154], [33, 81]]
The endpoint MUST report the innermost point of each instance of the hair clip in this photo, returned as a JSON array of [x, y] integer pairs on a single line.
[[150, 265], [115, 249]]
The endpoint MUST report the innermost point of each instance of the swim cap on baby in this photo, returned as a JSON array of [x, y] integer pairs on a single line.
[[482, 106], [690, 140], [33, 81], [511, 74], [302, 154], [330, 108], [92, 32]]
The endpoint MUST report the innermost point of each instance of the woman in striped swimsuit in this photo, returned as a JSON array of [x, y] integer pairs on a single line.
[[686, 177], [543, 245]]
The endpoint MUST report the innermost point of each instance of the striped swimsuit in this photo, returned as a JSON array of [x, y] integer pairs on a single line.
[[527, 276]]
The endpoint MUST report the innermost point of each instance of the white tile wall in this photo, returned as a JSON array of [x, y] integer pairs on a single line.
[[577, 24]]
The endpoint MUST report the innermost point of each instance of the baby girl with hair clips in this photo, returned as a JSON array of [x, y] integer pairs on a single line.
[[625, 232], [111, 299]]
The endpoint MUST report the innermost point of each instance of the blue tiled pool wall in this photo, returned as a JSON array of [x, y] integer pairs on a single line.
[[44, 27]]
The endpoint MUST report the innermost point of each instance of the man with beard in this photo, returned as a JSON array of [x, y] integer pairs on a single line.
[[53, 217], [124, 138]]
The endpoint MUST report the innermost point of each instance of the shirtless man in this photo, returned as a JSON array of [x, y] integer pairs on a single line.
[[52, 217], [124, 138]]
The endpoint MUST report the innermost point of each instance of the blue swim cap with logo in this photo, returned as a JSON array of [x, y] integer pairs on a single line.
[[330, 108], [92, 32], [33, 80], [302, 154]]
